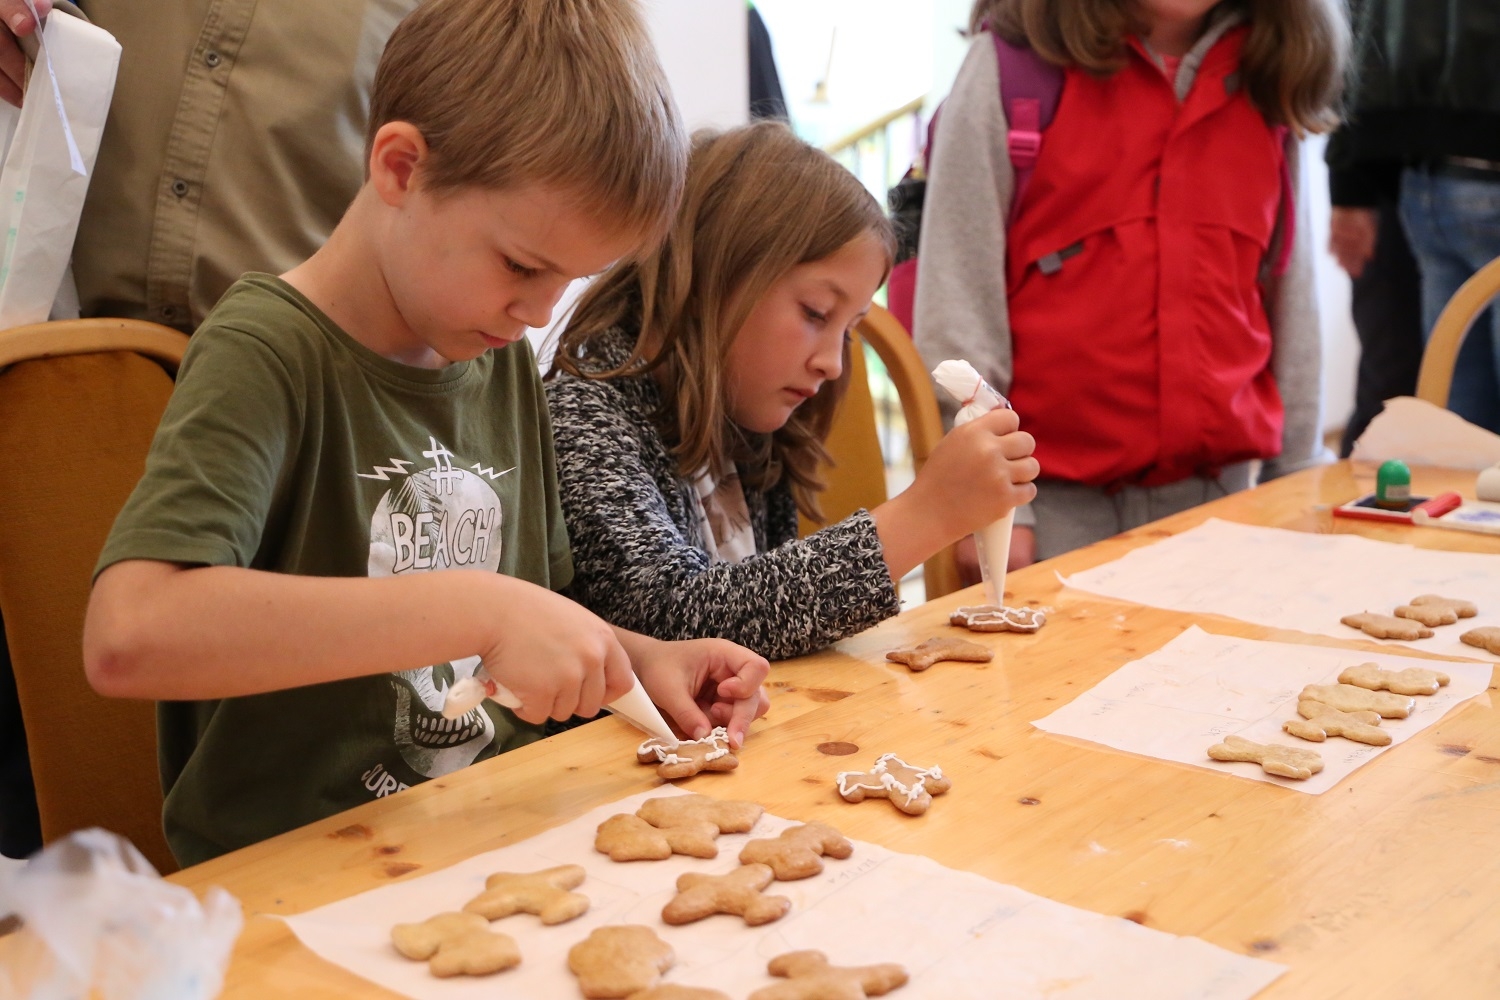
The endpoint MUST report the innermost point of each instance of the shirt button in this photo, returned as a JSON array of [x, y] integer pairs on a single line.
[[180, 187], [169, 313], [211, 59]]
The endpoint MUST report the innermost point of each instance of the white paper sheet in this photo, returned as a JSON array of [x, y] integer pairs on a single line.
[[1300, 580], [958, 934], [1420, 433], [1180, 700]]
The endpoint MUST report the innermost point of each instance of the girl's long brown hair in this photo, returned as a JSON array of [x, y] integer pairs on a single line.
[[1292, 64], [758, 202]]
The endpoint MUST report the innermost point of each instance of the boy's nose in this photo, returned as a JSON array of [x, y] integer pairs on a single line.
[[536, 308]]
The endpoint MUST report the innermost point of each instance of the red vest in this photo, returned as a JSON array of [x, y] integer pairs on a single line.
[[1141, 344]]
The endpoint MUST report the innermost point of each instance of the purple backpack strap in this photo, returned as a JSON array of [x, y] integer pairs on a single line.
[[1029, 91]]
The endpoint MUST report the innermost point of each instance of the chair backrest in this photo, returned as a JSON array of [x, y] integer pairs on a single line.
[[857, 478], [79, 403], [1435, 378]]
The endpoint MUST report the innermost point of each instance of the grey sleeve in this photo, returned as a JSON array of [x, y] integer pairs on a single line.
[[638, 567], [1296, 340], [960, 307]]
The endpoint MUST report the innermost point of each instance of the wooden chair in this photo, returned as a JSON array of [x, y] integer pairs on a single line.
[[857, 478], [79, 403], [1435, 377]]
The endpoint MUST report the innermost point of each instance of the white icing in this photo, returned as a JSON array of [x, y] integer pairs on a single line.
[[718, 739], [880, 776]]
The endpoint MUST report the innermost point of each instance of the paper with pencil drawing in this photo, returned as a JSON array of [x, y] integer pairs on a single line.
[[1300, 580], [959, 935], [1178, 701]]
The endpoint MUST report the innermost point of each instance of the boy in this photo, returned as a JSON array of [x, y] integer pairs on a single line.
[[340, 433]]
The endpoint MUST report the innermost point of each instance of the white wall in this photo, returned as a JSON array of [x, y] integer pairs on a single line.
[[702, 47]]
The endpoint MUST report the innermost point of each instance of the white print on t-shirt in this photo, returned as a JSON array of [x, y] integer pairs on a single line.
[[435, 517]]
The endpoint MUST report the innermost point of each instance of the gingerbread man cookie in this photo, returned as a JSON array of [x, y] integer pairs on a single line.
[[619, 961], [457, 944], [1432, 610], [1487, 638], [798, 852], [920, 657], [673, 991], [627, 837], [910, 789], [994, 618], [809, 977], [740, 894], [686, 758], [1287, 762], [1319, 722], [544, 893], [1387, 627], [1348, 698], [1412, 680], [729, 815]]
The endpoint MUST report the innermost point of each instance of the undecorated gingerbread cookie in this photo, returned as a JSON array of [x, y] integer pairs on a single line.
[[686, 758], [740, 894], [910, 789], [809, 977], [799, 851], [1319, 722], [1432, 610], [457, 944], [619, 961], [675, 991], [994, 618], [1387, 626], [1412, 680], [544, 893], [729, 815], [922, 656], [627, 837], [1287, 762], [1487, 638], [1348, 698]]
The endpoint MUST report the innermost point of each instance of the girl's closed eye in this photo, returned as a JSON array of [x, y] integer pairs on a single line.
[[814, 314], [516, 267]]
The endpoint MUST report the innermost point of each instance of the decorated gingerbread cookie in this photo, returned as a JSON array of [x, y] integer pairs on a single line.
[[627, 837], [994, 618], [619, 961], [686, 758], [1412, 680], [809, 977], [740, 893], [457, 944], [922, 656], [545, 893], [798, 852], [1287, 762], [909, 788], [1319, 722]]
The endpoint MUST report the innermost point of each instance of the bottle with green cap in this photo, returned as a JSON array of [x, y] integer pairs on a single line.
[[1393, 485]]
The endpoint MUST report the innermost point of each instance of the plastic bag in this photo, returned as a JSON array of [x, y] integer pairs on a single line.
[[96, 916], [50, 144], [977, 397]]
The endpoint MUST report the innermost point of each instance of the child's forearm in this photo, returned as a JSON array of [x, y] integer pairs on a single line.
[[156, 630]]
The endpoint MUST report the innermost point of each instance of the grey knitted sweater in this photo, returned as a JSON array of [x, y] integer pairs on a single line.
[[638, 556]]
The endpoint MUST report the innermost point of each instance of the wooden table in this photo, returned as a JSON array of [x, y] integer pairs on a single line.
[[1386, 886]]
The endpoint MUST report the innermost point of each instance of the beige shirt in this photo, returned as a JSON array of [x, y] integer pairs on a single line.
[[235, 141]]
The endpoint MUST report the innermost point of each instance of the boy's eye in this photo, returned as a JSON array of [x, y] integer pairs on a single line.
[[515, 267]]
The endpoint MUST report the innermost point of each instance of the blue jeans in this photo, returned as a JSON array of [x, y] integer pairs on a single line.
[[1453, 224]]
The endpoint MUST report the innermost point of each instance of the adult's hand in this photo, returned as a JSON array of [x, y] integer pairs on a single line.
[[18, 24], [1351, 238]]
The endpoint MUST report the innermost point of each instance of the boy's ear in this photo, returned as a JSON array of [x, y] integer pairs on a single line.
[[397, 153]]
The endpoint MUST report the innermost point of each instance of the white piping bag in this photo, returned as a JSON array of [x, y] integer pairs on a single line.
[[976, 398], [634, 706]]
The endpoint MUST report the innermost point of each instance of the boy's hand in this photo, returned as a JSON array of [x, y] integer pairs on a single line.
[[18, 24], [563, 661], [703, 683]]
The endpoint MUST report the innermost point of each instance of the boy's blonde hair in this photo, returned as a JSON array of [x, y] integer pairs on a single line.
[[566, 93], [758, 202], [1292, 64]]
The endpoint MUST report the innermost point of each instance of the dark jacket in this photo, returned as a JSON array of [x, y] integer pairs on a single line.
[[1425, 86]]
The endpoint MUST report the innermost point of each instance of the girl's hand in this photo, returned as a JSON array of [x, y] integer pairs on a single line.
[[703, 683], [978, 473]]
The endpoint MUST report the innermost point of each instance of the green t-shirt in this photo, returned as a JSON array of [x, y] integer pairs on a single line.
[[289, 447]]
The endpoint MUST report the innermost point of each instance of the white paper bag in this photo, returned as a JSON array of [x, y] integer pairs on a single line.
[[50, 145], [976, 398]]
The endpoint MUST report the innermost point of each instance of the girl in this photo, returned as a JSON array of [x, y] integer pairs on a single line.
[[690, 396], [1149, 305]]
